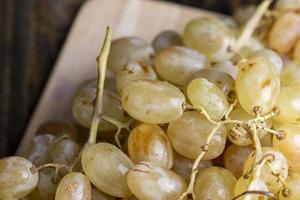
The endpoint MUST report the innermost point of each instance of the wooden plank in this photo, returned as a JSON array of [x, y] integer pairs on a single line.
[[77, 59]]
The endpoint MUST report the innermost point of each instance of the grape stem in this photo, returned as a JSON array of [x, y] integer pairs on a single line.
[[102, 64]]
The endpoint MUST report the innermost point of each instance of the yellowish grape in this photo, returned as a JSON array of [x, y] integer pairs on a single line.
[[272, 56], [292, 184], [291, 73], [227, 67], [166, 39], [99, 195], [242, 184]]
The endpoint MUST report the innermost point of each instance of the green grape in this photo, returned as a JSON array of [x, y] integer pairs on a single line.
[[214, 183], [242, 184], [202, 92], [166, 39], [74, 186], [210, 36], [134, 71], [290, 145], [288, 103], [64, 151], [272, 56], [126, 50], [17, 178], [279, 166], [257, 84], [148, 142], [189, 133], [176, 64], [291, 73], [183, 166], [148, 181], [227, 67], [292, 184], [106, 167], [99, 195], [152, 101], [235, 157]]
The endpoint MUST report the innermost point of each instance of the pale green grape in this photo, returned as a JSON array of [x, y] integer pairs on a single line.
[[99, 195], [272, 56], [106, 167], [176, 64], [227, 67], [64, 151], [292, 184], [242, 184], [291, 73], [189, 133], [202, 92], [166, 39], [152, 101]]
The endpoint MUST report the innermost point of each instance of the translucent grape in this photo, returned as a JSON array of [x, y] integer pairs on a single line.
[[257, 84], [214, 183], [126, 50], [176, 64], [148, 181], [227, 67], [292, 184], [189, 133], [106, 167], [148, 142], [99, 195], [242, 184], [166, 39], [64, 151], [272, 56], [210, 36], [17, 178], [202, 92], [134, 71], [152, 101], [74, 186], [291, 73]]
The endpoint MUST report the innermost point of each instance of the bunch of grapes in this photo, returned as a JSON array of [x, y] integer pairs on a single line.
[[213, 113]]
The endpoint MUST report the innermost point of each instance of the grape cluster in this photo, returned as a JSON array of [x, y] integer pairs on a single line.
[[212, 114]]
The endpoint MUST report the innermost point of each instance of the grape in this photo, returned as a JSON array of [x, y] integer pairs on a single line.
[[126, 50], [17, 178], [292, 184], [285, 32], [152, 101], [106, 167], [242, 186], [235, 157], [189, 133], [272, 56], [64, 151], [74, 186], [134, 71], [214, 183], [290, 145], [284, 5], [148, 142], [279, 166], [288, 103], [257, 84], [148, 181], [166, 39], [210, 36], [203, 93], [291, 73], [227, 67], [99, 195], [176, 64]]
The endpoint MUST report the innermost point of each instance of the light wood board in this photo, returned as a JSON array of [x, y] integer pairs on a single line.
[[77, 59]]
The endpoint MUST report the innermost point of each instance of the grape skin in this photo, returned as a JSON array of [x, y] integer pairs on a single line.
[[166, 39]]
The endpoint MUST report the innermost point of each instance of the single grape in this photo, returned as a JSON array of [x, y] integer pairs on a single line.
[[106, 167], [148, 142], [176, 64], [242, 184], [227, 67], [126, 50], [257, 84], [99, 195], [292, 184], [17, 178], [152, 101], [166, 39], [272, 56], [291, 73], [148, 181], [74, 186], [214, 183], [189, 133], [202, 92]]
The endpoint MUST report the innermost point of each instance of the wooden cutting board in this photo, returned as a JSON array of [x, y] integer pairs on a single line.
[[77, 59]]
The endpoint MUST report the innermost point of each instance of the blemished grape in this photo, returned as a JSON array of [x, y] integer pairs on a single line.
[[215, 183], [148, 181], [166, 39], [271, 56], [279, 166], [235, 157], [106, 167], [64, 151], [152, 101], [74, 186], [288, 103], [189, 133], [202, 92], [290, 145], [242, 184], [227, 67], [291, 73], [99, 195], [148, 142], [292, 184], [183, 166], [17, 178], [285, 32], [257, 84], [126, 50], [176, 64], [210, 36]]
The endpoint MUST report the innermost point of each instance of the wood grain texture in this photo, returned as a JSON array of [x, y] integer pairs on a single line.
[[77, 59]]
